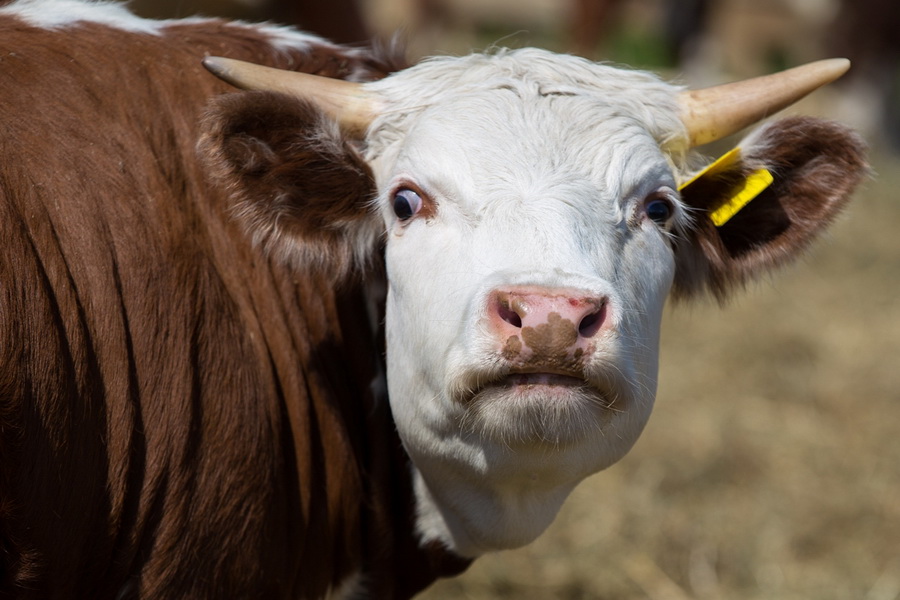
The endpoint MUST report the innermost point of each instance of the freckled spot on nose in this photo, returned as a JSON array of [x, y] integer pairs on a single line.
[[512, 348], [554, 337]]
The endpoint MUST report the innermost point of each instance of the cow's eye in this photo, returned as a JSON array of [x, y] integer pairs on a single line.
[[406, 203], [659, 209]]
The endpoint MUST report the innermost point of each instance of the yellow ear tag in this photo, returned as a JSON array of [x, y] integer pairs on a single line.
[[743, 192]]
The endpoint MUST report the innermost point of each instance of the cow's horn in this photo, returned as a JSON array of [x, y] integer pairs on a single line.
[[713, 113], [350, 104]]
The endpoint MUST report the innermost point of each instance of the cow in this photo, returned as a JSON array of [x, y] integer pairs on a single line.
[[341, 333]]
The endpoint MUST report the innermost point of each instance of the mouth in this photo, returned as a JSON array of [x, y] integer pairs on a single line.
[[539, 407], [545, 376], [542, 389], [548, 379]]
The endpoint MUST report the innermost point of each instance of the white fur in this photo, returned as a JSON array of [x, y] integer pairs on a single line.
[[537, 164], [352, 587], [57, 14], [54, 14]]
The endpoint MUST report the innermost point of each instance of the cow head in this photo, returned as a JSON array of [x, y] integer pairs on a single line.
[[535, 220]]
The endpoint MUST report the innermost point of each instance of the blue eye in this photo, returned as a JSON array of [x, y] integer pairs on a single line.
[[406, 204], [659, 210]]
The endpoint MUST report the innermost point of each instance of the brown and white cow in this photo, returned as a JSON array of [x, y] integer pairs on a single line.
[[191, 396]]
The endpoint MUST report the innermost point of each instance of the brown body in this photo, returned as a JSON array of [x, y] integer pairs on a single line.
[[179, 415]]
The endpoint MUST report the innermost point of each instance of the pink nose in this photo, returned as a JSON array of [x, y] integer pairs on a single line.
[[571, 318]]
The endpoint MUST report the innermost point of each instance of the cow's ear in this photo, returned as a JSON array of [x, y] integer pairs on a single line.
[[299, 188], [762, 205]]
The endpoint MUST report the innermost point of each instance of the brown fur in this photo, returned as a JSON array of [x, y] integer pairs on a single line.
[[180, 417], [299, 188], [816, 165]]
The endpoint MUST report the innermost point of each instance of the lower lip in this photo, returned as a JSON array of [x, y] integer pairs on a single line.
[[543, 379]]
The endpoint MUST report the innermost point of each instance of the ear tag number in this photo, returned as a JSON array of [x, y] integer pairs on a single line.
[[741, 194]]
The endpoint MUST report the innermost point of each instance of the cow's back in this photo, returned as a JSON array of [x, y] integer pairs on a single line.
[[176, 411]]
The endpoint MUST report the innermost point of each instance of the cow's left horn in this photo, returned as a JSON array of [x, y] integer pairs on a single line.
[[350, 104], [712, 113]]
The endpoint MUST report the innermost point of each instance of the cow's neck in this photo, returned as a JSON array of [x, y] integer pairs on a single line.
[[472, 515]]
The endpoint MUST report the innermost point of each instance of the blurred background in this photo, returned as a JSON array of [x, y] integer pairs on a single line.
[[771, 465]]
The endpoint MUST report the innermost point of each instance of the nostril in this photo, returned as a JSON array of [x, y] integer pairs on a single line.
[[509, 315], [591, 323]]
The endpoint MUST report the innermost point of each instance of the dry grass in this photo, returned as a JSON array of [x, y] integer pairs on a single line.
[[771, 465]]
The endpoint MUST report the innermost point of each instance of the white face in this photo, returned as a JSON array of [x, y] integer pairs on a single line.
[[528, 261], [503, 225]]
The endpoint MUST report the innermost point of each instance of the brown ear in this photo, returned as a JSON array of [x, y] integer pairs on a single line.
[[297, 186], [815, 166]]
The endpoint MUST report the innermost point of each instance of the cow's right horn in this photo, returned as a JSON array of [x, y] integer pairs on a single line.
[[713, 113], [350, 104]]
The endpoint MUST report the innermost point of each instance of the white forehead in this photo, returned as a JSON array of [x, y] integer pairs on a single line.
[[502, 143], [528, 115]]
